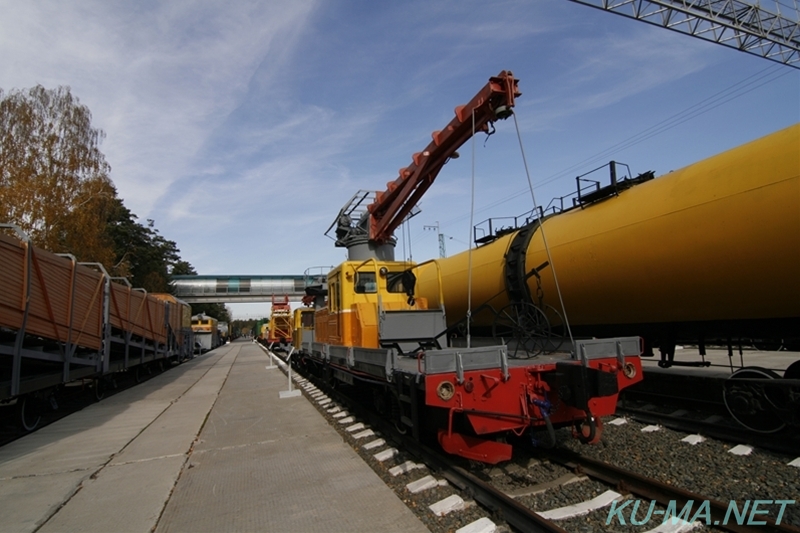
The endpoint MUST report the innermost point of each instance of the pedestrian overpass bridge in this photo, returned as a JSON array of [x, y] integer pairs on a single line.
[[235, 289]]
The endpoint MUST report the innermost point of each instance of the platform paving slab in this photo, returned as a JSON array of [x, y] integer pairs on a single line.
[[139, 454], [120, 499], [26, 503], [268, 464], [45, 476]]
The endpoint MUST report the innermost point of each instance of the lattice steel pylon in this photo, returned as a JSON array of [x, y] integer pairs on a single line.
[[745, 26]]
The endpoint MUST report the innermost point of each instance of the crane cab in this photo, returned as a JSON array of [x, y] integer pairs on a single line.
[[303, 330], [363, 299]]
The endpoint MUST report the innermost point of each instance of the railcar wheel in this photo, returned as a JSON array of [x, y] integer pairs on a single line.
[[30, 412], [526, 325], [754, 405], [792, 371]]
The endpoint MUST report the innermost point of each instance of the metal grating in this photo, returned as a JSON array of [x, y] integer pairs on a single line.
[[745, 26]]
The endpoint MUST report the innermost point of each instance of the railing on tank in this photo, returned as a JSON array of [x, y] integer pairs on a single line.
[[587, 192]]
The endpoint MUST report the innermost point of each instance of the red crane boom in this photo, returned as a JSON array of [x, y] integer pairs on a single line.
[[391, 206]]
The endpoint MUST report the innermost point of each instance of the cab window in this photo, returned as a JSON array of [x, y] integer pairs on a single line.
[[395, 281], [365, 283]]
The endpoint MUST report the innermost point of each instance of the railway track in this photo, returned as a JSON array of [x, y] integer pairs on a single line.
[[695, 405], [480, 497], [433, 495], [664, 494]]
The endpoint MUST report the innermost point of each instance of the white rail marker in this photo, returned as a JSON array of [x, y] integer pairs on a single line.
[[404, 468], [452, 503], [355, 427], [374, 444], [581, 508], [693, 439], [340, 414], [650, 429], [741, 449], [795, 463], [347, 420], [618, 422], [481, 525], [364, 434], [385, 454], [425, 483]]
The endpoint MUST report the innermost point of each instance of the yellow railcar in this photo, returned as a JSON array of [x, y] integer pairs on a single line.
[[351, 316], [280, 322], [303, 329], [205, 331], [706, 252], [377, 334]]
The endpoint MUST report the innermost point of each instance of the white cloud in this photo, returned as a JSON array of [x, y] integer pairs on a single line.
[[242, 128], [603, 70], [158, 78]]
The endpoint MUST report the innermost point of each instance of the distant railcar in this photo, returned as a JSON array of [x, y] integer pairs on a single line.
[[206, 331], [61, 321], [303, 328], [280, 322]]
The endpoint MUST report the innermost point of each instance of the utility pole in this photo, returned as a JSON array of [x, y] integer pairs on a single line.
[[442, 252]]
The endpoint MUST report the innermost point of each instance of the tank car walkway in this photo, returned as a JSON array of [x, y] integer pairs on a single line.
[[206, 446]]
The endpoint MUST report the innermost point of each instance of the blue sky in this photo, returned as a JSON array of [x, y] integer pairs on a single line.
[[242, 128]]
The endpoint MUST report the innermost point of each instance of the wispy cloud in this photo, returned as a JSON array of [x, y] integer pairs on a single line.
[[158, 77], [606, 69], [242, 128]]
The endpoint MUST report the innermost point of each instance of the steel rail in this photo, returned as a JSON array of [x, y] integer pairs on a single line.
[[502, 506], [652, 489]]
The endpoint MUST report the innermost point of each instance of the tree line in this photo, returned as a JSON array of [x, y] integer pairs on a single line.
[[55, 186]]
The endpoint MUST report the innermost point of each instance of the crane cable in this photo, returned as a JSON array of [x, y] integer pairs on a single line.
[[469, 239], [541, 229], [771, 73]]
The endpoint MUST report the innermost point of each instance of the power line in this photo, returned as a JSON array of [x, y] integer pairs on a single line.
[[765, 76]]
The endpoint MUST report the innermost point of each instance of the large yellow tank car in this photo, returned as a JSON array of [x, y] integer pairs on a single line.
[[708, 252]]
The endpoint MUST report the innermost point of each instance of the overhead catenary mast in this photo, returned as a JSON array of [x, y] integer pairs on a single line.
[[745, 26]]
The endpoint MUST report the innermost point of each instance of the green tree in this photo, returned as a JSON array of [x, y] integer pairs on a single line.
[[55, 185], [142, 254], [218, 311], [183, 268], [54, 180]]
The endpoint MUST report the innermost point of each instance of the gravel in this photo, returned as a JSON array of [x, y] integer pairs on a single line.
[[706, 468]]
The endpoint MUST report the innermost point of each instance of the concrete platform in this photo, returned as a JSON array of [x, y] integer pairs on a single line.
[[723, 366], [206, 446]]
